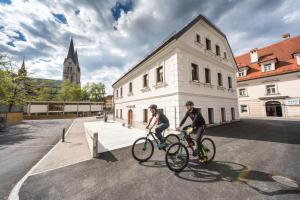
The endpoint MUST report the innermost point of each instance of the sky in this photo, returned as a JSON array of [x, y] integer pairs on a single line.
[[111, 36]]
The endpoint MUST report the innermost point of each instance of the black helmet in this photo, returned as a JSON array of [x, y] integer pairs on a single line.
[[153, 106], [189, 103]]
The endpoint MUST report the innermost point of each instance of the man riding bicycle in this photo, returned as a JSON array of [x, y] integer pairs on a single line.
[[162, 123], [198, 123]]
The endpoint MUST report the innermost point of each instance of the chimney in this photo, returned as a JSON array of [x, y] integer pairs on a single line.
[[286, 35], [254, 55]]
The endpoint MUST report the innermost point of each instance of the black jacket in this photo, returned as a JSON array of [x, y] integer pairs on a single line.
[[195, 116]]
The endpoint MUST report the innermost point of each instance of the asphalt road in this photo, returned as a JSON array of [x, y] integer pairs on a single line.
[[22, 145], [253, 161]]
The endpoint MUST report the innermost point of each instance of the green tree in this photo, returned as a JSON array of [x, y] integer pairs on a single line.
[[69, 92], [97, 92]]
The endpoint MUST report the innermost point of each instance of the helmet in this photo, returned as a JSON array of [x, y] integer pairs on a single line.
[[153, 106], [189, 103]]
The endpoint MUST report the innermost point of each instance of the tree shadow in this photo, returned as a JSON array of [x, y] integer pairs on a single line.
[[233, 172], [263, 130]]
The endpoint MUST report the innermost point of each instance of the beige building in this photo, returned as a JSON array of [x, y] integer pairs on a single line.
[[196, 63], [269, 80]]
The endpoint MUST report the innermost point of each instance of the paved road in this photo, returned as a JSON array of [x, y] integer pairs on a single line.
[[251, 155], [22, 145]]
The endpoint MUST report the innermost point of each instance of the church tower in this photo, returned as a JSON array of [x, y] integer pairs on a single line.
[[71, 66]]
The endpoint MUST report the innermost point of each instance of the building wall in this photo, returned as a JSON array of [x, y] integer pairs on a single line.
[[287, 87], [171, 96]]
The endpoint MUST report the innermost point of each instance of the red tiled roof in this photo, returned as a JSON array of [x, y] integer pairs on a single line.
[[282, 51]]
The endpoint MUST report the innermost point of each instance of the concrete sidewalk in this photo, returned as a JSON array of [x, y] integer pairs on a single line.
[[73, 150]]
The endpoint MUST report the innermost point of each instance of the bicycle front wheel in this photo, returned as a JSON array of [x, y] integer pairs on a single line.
[[171, 139], [209, 148], [142, 149], [177, 157]]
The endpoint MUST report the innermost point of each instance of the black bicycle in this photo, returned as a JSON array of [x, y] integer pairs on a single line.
[[143, 148], [177, 155]]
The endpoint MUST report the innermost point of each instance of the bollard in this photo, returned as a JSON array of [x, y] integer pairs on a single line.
[[63, 135], [95, 145]]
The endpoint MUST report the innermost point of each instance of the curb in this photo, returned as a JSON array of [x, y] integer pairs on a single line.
[[14, 194]]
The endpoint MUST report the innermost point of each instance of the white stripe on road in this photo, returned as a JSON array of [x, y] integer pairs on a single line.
[[14, 194]]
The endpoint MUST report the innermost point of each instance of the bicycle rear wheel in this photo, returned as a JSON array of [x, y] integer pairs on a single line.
[[177, 157], [171, 139], [142, 149], [209, 147]]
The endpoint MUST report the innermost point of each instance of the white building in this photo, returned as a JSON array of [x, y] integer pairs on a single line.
[[195, 64], [269, 80]]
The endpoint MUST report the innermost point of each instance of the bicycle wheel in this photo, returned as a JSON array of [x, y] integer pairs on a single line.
[[209, 148], [171, 139], [142, 149], [177, 157]]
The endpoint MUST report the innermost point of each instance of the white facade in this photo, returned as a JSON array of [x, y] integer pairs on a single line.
[[278, 95], [176, 59]]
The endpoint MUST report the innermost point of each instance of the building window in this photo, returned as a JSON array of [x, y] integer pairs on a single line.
[[229, 82], [159, 75], [210, 115], [218, 50], [198, 39], [121, 92], [121, 114], [242, 92], [145, 80], [161, 110], [117, 113], [195, 72], [145, 115], [271, 89], [223, 115], [244, 108], [130, 87], [241, 73], [225, 55], [220, 79], [208, 44], [268, 67], [207, 75]]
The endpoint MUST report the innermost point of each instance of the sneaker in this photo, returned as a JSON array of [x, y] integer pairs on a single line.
[[161, 146]]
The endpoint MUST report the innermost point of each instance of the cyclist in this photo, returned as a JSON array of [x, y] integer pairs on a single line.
[[162, 123], [198, 124]]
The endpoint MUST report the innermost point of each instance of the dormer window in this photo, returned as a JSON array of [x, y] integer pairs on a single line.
[[242, 73], [297, 57], [267, 67]]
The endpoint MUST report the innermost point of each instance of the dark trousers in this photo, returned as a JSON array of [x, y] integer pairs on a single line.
[[159, 129], [199, 134]]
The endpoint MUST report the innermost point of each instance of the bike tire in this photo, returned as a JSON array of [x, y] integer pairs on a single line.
[[177, 146], [213, 148], [171, 139], [136, 145]]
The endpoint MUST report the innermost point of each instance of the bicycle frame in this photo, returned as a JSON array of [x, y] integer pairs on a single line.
[[152, 134]]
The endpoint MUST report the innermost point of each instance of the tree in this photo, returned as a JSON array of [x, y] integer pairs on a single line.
[[69, 92], [97, 92]]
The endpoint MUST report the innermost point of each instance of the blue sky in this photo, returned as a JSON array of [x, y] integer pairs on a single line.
[[111, 36]]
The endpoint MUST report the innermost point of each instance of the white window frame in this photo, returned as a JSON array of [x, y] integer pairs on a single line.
[[268, 67], [244, 106], [245, 92], [242, 73], [272, 88]]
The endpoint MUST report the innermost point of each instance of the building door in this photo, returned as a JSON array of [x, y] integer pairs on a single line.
[[130, 118], [223, 118], [232, 114], [210, 115], [273, 108]]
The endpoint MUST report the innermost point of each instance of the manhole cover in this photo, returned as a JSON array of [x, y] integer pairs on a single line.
[[285, 181]]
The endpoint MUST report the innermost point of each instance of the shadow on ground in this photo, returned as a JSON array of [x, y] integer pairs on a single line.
[[264, 130]]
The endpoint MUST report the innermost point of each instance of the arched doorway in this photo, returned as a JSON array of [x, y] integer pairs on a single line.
[[130, 117], [273, 108]]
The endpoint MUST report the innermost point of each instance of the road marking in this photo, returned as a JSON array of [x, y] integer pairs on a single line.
[[14, 194], [23, 146]]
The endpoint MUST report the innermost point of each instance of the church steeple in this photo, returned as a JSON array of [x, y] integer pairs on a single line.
[[71, 52], [22, 70]]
